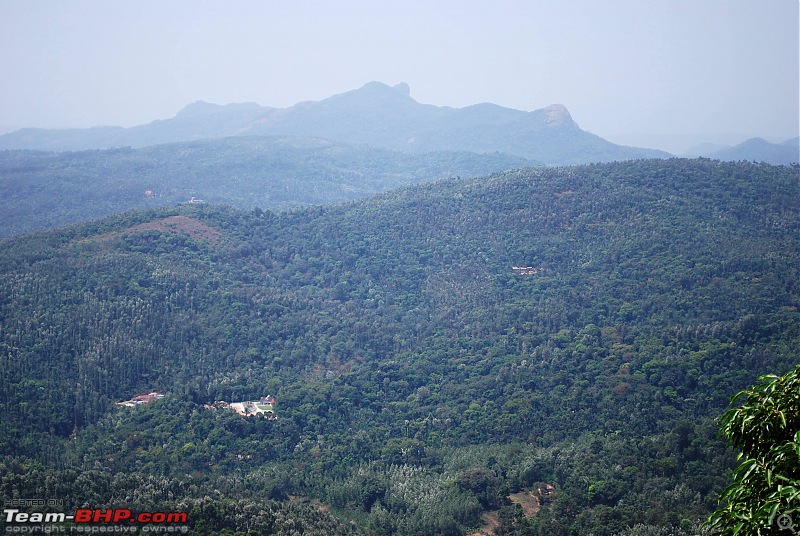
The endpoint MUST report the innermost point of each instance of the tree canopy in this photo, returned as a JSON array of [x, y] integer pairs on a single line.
[[765, 427]]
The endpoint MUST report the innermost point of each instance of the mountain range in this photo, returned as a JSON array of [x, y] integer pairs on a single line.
[[754, 149], [375, 114]]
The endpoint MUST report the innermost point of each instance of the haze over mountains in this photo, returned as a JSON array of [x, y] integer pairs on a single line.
[[388, 117], [376, 114], [470, 339], [40, 190], [754, 149], [347, 146]]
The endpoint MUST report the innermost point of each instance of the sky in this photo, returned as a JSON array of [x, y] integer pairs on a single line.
[[657, 73]]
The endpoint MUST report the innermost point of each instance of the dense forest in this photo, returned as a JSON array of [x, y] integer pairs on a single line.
[[40, 189], [539, 351]]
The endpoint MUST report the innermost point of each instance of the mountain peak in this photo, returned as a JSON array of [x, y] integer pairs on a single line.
[[557, 115], [403, 88], [375, 96], [380, 88], [196, 108], [202, 108]]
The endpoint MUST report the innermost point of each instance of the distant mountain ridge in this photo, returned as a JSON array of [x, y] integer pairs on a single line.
[[375, 114], [760, 150], [754, 149], [48, 189]]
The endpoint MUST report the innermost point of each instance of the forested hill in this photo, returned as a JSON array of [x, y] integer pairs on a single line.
[[760, 150], [375, 115], [434, 352], [39, 190]]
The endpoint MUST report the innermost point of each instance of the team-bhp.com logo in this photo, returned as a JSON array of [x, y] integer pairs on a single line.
[[94, 520]]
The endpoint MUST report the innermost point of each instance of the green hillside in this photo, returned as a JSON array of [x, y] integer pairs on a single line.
[[40, 190], [434, 352]]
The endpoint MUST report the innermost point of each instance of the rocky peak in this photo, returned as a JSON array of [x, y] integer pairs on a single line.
[[557, 115], [403, 88]]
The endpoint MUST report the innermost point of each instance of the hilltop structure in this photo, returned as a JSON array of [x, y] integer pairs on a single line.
[[144, 398], [249, 408]]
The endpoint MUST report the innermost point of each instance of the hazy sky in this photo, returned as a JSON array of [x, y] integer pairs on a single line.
[[661, 73]]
